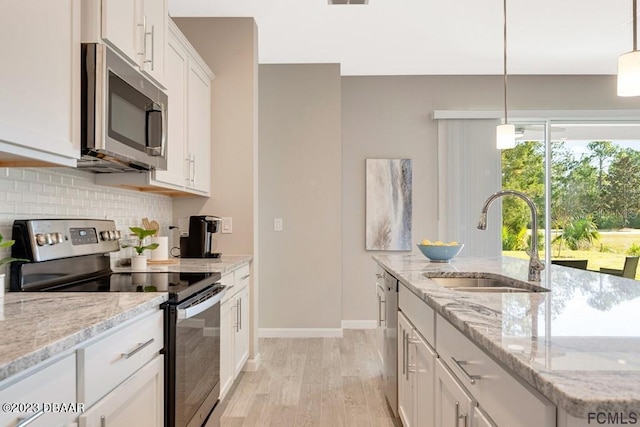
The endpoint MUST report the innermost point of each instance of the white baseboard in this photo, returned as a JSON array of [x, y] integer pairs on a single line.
[[299, 332], [359, 324], [252, 365]]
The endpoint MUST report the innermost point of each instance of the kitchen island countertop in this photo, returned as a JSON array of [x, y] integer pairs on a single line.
[[578, 345]]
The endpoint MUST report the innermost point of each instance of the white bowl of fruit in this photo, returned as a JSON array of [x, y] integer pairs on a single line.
[[439, 251]]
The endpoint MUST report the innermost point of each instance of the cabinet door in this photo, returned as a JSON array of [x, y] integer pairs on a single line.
[[454, 405], [406, 379], [381, 314], [425, 367], [227, 334], [155, 32], [40, 75], [176, 82], [242, 335], [480, 419], [122, 26], [54, 383], [199, 128], [139, 401]]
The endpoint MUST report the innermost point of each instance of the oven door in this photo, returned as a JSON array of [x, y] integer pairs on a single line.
[[193, 362]]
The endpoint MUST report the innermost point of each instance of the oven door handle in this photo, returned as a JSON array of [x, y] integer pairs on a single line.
[[186, 313]]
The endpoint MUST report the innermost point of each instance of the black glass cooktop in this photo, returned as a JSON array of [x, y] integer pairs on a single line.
[[178, 285]]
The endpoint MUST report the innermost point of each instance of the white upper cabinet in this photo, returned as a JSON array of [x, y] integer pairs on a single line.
[[199, 128], [188, 82], [135, 28], [40, 78], [119, 22], [154, 24]]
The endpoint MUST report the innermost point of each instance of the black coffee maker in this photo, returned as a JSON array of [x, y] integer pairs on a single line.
[[199, 242]]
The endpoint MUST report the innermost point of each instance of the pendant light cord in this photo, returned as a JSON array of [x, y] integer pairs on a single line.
[[635, 25], [505, 56]]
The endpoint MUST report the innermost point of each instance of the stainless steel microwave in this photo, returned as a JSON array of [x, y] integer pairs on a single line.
[[123, 115]]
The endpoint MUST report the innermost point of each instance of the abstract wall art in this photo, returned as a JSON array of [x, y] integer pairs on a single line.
[[388, 205]]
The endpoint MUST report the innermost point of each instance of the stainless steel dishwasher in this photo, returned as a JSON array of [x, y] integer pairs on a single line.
[[390, 368]]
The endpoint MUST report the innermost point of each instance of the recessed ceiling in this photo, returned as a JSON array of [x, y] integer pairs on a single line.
[[434, 37]]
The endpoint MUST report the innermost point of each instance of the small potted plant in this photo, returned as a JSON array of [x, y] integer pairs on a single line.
[[139, 260], [6, 260]]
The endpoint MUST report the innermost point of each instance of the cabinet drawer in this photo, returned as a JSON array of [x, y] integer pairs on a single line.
[[242, 276], [229, 282], [108, 362], [55, 383], [418, 312], [509, 401]]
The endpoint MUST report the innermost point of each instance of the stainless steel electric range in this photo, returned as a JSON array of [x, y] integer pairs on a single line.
[[72, 255]]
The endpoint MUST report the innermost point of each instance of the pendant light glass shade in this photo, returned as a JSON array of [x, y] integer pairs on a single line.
[[629, 64], [505, 136], [629, 74]]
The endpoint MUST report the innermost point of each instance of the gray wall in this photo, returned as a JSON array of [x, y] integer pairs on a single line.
[[300, 182], [391, 117]]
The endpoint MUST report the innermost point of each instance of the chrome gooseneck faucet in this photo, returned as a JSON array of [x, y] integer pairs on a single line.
[[535, 265]]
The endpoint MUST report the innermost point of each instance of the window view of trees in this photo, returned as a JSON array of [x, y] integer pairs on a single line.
[[595, 200]]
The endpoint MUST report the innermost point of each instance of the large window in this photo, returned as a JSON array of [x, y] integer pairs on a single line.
[[585, 180]]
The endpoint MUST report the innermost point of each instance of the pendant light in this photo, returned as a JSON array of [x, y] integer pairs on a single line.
[[629, 64], [505, 133]]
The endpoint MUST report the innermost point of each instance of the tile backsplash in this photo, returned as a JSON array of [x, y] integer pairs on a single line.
[[70, 193]]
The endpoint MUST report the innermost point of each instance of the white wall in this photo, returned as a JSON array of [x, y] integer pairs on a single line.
[[300, 182], [27, 193]]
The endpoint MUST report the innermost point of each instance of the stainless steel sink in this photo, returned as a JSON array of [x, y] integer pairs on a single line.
[[474, 284]]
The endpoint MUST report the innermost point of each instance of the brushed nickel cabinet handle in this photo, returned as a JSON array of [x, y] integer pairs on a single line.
[[26, 421], [471, 378], [137, 349]]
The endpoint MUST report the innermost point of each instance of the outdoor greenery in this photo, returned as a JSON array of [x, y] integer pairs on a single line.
[[599, 190]]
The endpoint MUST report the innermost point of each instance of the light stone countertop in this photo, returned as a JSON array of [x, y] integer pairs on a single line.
[[40, 325], [578, 345], [37, 326], [221, 265]]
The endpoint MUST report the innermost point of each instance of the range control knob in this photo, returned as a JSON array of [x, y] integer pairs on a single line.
[[41, 239], [112, 235], [118, 235], [104, 235]]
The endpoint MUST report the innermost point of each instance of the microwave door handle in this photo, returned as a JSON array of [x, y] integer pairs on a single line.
[[152, 112]]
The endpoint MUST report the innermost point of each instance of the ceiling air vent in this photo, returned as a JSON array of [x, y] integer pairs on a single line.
[[348, 1]]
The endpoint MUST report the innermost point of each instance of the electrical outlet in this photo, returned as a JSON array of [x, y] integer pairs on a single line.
[[227, 225], [277, 224]]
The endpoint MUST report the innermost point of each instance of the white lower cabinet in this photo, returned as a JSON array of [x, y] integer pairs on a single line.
[[480, 419], [234, 327], [121, 375], [416, 373], [136, 402], [54, 383], [380, 321], [441, 372], [454, 404]]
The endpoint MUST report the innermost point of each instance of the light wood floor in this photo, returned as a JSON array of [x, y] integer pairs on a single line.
[[312, 382]]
